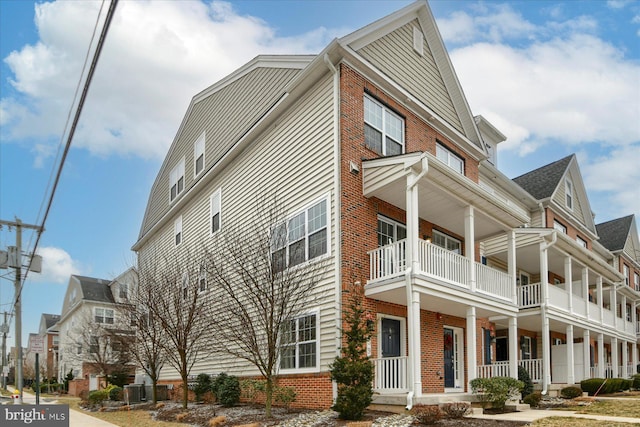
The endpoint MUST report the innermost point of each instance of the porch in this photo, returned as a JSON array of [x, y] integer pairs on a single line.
[[434, 262]]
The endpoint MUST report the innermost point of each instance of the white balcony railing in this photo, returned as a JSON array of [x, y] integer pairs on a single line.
[[493, 281], [529, 295], [390, 374], [443, 263], [497, 369], [387, 261]]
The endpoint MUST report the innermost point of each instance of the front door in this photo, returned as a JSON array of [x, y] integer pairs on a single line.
[[391, 371], [453, 362], [390, 337]]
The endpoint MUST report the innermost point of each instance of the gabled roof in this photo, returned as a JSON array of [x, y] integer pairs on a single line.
[[94, 289], [613, 234], [542, 182], [50, 319]]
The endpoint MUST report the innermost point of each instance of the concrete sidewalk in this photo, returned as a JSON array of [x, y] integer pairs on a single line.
[[76, 418]]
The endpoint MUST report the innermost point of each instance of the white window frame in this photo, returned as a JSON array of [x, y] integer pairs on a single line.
[[176, 179], [202, 279], [198, 151], [298, 343], [568, 192], [384, 130], [447, 239], [184, 286], [178, 237], [215, 208], [625, 271], [558, 226], [636, 280], [123, 290], [395, 224], [101, 313], [581, 242], [528, 344], [284, 242], [449, 158]]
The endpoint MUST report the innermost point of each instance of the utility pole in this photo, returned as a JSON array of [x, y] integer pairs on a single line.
[[15, 261], [5, 329]]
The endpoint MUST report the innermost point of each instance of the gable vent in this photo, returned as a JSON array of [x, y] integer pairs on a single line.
[[418, 41]]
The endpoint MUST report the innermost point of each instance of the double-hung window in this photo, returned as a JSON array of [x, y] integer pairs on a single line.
[[123, 289], [299, 347], [215, 209], [104, 315], [177, 230], [198, 155], [383, 129], [202, 279], [636, 281], [581, 242], [301, 238], [450, 159], [559, 226], [94, 345], [626, 274], [447, 242], [184, 283], [568, 190], [176, 179]]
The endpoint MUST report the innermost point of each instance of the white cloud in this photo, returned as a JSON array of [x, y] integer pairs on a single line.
[[618, 4], [57, 266], [574, 90], [156, 57]]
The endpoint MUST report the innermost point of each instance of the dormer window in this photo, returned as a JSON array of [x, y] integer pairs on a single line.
[[568, 190], [176, 180], [450, 159]]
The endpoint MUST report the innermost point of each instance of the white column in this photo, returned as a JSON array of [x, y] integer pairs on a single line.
[[614, 304], [513, 347], [546, 347], [614, 357], [585, 289], [416, 349], [625, 357], [601, 356], [586, 353], [511, 264], [470, 245], [623, 311], [571, 375], [599, 296], [472, 365], [634, 357], [568, 281]]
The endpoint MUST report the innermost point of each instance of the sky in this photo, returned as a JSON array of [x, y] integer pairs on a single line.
[[556, 77]]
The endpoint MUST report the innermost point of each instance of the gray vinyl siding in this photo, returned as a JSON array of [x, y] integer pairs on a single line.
[[559, 198], [419, 75], [224, 116], [294, 160]]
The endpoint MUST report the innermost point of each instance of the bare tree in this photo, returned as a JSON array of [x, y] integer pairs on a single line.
[[170, 285], [147, 349], [263, 277], [102, 342]]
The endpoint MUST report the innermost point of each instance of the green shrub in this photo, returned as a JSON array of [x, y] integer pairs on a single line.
[[523, 375], [228, 393], [605, 386], [456, 409], [571, 392], [251, 388], [533, 399], [497, 390], [217, 384], [203, 385], [96, 397], [285, 396], [426, 414], [116, 394], [635, 382]]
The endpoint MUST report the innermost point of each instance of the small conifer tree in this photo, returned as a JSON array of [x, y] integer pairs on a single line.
[[353, 370]]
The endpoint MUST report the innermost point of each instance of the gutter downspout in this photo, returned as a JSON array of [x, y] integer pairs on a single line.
[[338, 209], [546, 368], [543, 219], [412, 305]]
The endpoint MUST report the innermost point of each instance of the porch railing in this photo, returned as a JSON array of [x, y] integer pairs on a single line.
[[501, 369], [388, 260], [390, 374], [497, 369], [638, 327], [529, 295], [443, 263], [493, 281]]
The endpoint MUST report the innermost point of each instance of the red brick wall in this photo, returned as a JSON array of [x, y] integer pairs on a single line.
[[78, 386], [571, 231]]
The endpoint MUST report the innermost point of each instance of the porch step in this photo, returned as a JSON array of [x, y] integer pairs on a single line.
[[518, 407]]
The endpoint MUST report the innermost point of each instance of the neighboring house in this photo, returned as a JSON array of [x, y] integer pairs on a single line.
[[373, 144], [89, 313], [49, 331]]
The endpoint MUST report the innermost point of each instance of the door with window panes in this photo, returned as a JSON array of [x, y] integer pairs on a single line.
[[392, 259]]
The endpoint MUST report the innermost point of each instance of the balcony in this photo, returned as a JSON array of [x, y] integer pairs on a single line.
[[389, 261], [530, 296]]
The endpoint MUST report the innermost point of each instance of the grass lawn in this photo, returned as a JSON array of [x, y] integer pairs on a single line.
[[614, 408], [577, 422]]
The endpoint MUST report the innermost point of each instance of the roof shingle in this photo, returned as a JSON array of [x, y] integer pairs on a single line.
[[542, 182]]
